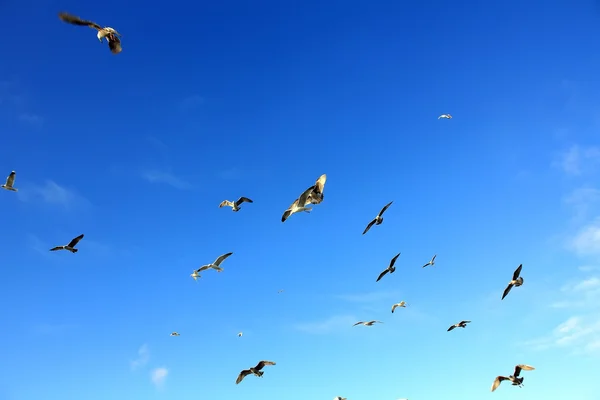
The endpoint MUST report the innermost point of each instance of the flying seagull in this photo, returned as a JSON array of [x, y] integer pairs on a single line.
[[339, 398], [240, 334], [316, 196], [280, 291], [401, 304], [461, 324], [367, 323], [378, 220], [235, 205], [174, 334], [253, 370], [295, 207], [516, 281], [447, 116], [111, 35], [516, 381], [215, 265], [431, 262], [10, 181], [70, 246], [389, 269]]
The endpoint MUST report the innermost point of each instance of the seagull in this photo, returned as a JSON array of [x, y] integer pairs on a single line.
[[70, 246], [339, 398], [253, 370], [111, 35], [174, 334], [389, 269], [316, 196], [240, 334], [367, 323], [235, 206], [295, 207], [516, 281], [379, 218], [215, 265], [447, 116], [461, 324], [280, 291], [516, 381], [431, 262], [401, 304], [10, 181]]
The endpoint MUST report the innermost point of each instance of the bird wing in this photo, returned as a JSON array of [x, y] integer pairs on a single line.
[[242, 375], [385, 208], [286, 214], [394, 307], [440, 116], [261, 364], [114, 44], [57, 248], [358, 323], [517, 272], [320, 183], [10, 179], [452, 327], [75, 20], [74, 242], [243, 199], [497, 382], [381, 275], [506, 291], [433, 259], [523, 367], [225, 203], [203, 268], [219, 260], [394, 260], [369, 226], [303, 199], [429, 263]]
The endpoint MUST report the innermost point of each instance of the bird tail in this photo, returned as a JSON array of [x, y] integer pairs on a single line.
[[75, 250]]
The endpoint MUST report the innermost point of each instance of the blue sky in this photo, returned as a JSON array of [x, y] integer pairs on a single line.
[[258, 99]]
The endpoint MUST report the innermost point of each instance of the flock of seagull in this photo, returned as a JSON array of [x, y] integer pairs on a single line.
[[312, 195]]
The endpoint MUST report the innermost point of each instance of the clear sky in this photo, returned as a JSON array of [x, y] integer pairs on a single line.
[[215, 100]]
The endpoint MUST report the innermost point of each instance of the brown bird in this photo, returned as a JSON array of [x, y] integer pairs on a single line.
[[367, 323], [461, 324], [389, 269], [516, 381], [111, 35], [378, 220], [70, 246], [253, 370], [516, 281]]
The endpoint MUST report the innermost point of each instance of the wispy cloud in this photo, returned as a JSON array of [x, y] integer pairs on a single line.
[[587, 240], [14, 97], [52, 193], [577, 160], [582, 201], [155, 176], [159, 375], [327, 325], [143, 357], [369, 297]]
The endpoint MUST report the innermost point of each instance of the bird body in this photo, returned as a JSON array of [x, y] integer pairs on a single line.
[[514, 378], [378, 220], [235, 205], [389, 269], [10, 181], [516, 281], [111, 35], [216, 265], [447, 116], [367, 323], [401, 304], [174, 334], [461, 324], [253, 370], [71, 246], [240, 334]]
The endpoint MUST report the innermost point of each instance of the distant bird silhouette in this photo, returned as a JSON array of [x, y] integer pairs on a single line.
[[516, 281], [389, 269], [516, 381], [235, 205], [174, 334], [378, 220], [253, 370], [71, 246], [298, 205], [461, 324], [339, 398], [240, 334], [111, 35], [401, 304], [10, 181], [216, 265], [431, 262], [367, 323], [447, 116]]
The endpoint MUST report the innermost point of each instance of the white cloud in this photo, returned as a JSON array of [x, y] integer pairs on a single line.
[[52, 193], [327, 325], [159, 375], [577, 160], [143, 357], [165, 177], [587, 239], [582, 201]]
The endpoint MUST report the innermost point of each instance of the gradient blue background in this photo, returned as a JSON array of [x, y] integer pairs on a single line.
[[215, 100]]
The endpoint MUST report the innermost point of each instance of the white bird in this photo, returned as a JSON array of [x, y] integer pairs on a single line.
[[295, 207], [174, 334], [215, 265], [431, 262], [240, 334], [111, 35], [10, 181], [516, 281], [71, 246], [401, 304], [378, 220], [447, 116], [367, 323], [235, 205]]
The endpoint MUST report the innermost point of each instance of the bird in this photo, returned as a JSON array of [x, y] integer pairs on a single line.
[[216, 265], [516, 381], [516, 281], [431, 262], [339, 398], [447, 116], [10, 181], [235, 205], [174, 334], [296, 206], [70, 246], [367, 323], [280, 291], [401, 304], [461, 324], [240, 334], [389, 269], [316, 196], [111, 35], [378, 220], [253, 370]]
